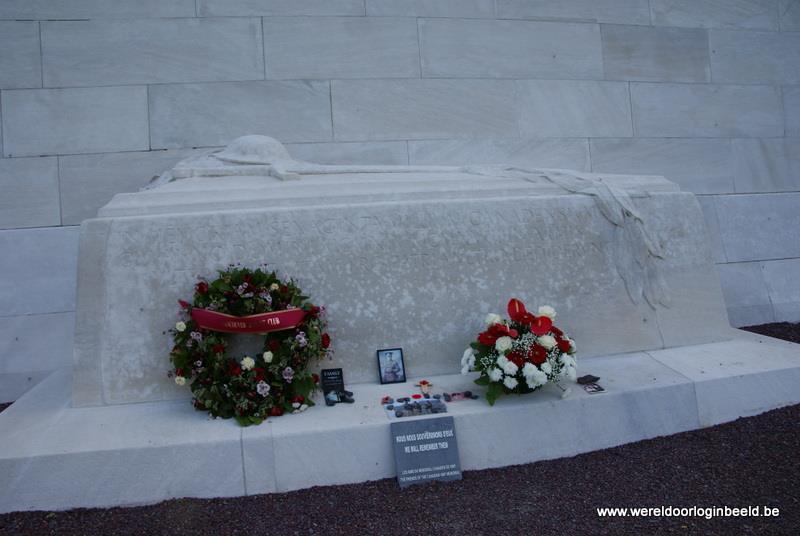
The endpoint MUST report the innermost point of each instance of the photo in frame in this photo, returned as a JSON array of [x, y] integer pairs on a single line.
[[391, 368]]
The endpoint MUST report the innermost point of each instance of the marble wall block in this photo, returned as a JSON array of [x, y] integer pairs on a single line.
[[40, 275], [789, 11], [202, 115], [509, 49], [341, 47], [620, 11], [709, 207], [746, 293], [701, 166], [655, 54], [90, 181], [423, 109], [705, 111], [93, 9], [271, 8], [35, 342], [767, 165], [373, 152], [791, 110], [30, 192], [75, 120], [760, 226], [573, 108], [20, 62], [564, 153], [753, 14], [467, 9], [782, 278], [755, 57], [148, 51]]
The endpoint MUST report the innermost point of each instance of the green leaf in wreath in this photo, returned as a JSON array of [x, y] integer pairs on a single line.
[[482, 380], [494, 391]]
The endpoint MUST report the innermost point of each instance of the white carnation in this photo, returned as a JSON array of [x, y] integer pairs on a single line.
[[464, 369], [503, 344], [274, 286], [528, 370], [510, 368], [546, 367], [267, 357], [180, 326], [510, 382], [501, 361], [493, 318], [539, 377], [546, 310], [468, 359], [180, 380], [547, 341], [248, 363], [495, 374], [572, 373]]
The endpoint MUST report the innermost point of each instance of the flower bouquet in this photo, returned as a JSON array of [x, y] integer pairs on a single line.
[[522, 354]]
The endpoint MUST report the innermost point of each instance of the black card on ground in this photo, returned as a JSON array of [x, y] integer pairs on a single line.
[[332, 380], [425, 450]]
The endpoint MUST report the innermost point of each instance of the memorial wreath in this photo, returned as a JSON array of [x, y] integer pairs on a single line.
[[520, 355], [249, 388]]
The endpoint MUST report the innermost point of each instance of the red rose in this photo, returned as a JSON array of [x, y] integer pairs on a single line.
[[326, 340], [563, 345], [541, 325], [274, 345], [537, 354], [276, 411], [218, 348], [315, 377], [516, 357], [201, 287], [179, 372], [234, 369], [260, 373], [299, 399]]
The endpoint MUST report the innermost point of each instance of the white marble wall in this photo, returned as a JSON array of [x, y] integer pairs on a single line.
[[97, 96]]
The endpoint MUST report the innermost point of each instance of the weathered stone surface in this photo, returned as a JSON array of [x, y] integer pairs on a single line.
[[423, 109], [705, 111], [789, 11], [509, 49], [371, 152], [564, 153], [791, 110], [201, 115], [269, 8], [431, 8], [341, 47], [760, 227], [148, 51], [754, 14], [363, 264], [39, 276], [746, 293], [20, 62], [90, 181], [574, 108], [655, 54], [30, 192], [700, 166], [94, 9], [709, 207], [767, 165], [755, 57], [781, 277], [76, 120], [621, 11]]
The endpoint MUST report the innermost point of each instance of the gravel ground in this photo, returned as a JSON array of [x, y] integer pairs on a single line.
[[779, 330], [749, 462]]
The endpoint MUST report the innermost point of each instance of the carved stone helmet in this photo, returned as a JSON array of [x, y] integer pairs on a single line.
[[254, 149]]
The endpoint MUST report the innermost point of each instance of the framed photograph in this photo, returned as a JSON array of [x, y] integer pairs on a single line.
[[391, 368]]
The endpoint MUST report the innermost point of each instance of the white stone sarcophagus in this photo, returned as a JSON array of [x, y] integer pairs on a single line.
[[400, 256]]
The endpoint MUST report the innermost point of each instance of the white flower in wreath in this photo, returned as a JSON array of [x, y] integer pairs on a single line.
[[495, 374], [528, 369], [546, 367], [493, 318], [248, 363], [468, 359], [274, 286], [180, 326], [510, 382], [267, 357], [263, 388], [568, 360], [572, 373], [572, 347], [180, 380], [501, 361], [547, 341], [510, 368], [504, 344], [539, 378], [549, 312]]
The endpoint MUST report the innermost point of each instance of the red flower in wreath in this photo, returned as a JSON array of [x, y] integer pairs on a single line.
[[201, 287], [495, 331], [537, 354], [276, 411], [234, 369], [326, 340]]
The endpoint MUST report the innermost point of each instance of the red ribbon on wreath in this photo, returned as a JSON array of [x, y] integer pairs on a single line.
[[260, 323]]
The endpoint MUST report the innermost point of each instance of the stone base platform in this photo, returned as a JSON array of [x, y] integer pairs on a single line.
[[53, 456]]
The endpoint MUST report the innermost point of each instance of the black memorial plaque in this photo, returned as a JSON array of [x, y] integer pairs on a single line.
[[425, 450]]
